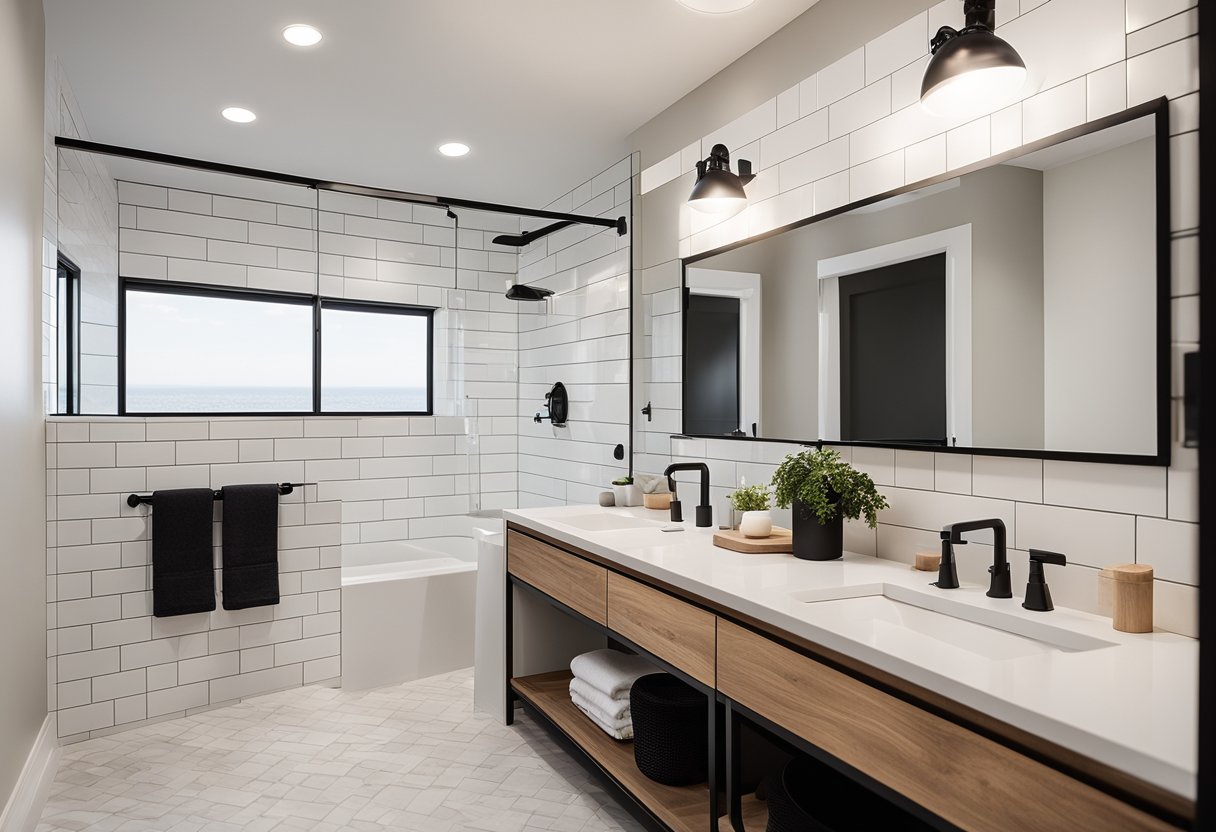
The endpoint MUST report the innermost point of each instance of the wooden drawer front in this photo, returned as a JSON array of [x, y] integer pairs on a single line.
[[673, 630], [577, 583], [965, 778]]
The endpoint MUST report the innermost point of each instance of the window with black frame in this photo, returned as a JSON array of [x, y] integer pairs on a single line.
[[200, 351]]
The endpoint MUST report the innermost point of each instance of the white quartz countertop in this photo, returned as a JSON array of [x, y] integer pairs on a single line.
[[1132, 705]]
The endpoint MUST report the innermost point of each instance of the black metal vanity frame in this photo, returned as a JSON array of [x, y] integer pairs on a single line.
[[1160, 109]]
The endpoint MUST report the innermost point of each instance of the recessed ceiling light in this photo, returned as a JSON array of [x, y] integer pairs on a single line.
[[301, 34], [238, 114], [454, 149], [716, 6]]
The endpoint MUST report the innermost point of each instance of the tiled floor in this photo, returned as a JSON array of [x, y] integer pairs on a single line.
[[411, 757]]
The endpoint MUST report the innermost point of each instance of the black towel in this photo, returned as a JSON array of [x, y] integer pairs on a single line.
[[251, 546], [183, 568]]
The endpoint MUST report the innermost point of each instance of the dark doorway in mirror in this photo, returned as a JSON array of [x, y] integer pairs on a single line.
[[711, 390], [893, 353]]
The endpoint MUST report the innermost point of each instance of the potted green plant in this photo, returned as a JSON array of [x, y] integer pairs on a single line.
[[823, 489], [753, 503]]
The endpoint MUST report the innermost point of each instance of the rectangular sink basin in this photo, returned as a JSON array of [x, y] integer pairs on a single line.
[[604, 522], [899, 619]]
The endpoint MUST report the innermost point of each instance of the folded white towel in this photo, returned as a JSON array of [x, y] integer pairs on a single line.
[[611, 672], [617, 723], [625, 733], [613, 708]]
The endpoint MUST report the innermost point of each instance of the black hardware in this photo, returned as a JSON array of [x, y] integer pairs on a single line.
[[325, 185], [705, 512], [648, 412], [999, 586], [1038, 595], [134, 500], [618, 452], [557, 403], [947, 572], [521, 240], [719, 160], [1190, 404], [521, 292]]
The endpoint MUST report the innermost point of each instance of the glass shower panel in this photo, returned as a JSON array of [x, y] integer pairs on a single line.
[[132, 223], [86, 237], [382, 251]]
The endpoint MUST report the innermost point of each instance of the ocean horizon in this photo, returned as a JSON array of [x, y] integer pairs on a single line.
[[236, 399]]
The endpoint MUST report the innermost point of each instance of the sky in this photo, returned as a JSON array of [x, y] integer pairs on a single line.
[[179, 340]]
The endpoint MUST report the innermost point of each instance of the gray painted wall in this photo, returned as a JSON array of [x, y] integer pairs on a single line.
[[1100, 253], [22, 505], [803, 46]]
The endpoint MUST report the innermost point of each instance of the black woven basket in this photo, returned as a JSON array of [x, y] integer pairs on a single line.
[[670, 738], [808, 796], [788, 788]]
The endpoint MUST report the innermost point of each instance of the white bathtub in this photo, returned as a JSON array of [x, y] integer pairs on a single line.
[[409, 607]]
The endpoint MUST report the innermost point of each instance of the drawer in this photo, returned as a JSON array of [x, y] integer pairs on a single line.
[[969, 780], [673, 630], [577, 583]]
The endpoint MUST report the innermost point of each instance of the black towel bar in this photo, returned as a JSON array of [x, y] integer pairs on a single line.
[[134, 500]]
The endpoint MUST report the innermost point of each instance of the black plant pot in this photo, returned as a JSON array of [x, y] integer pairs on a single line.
[[813, 541]]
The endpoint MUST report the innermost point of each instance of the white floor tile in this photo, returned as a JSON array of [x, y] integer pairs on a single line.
[[412, 756]]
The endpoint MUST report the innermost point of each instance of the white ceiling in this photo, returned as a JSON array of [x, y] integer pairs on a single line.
[[544, 91]]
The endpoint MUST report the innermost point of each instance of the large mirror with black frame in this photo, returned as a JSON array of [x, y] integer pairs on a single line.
[[1017, 306]]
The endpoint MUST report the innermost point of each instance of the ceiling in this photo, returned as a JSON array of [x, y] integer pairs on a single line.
[[544, 91]]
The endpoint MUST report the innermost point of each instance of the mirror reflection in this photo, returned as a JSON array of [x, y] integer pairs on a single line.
[[1014, 307]]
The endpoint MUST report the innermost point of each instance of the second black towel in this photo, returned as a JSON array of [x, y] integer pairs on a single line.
[[251, 546]]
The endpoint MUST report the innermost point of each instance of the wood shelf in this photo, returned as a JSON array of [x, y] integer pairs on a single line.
[[683, 808], [755, 816]]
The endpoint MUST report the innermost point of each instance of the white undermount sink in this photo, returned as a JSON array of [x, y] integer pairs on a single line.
[[899, 619], [605, 522]]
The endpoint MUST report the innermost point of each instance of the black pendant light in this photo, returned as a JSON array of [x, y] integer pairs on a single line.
[[971, 68], [718, 191]]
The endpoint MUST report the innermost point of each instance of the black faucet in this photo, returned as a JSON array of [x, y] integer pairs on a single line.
[[705, 512], [952, 535]]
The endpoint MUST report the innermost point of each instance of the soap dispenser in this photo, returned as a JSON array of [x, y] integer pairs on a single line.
[[1038, 594]]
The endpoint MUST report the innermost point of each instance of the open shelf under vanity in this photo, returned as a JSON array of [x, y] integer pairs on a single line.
[[680, 807]]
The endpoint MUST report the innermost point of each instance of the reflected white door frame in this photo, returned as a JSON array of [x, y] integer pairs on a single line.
[[746, 287], [955, 243]]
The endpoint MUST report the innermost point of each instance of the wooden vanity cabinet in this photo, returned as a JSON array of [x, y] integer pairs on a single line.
[[931, 754]]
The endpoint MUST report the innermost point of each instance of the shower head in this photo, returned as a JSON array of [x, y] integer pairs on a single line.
[[521, 292]]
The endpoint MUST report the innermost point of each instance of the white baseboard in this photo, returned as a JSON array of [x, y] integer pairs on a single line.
[[25, 804]]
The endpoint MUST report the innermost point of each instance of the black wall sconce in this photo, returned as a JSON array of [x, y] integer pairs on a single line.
[[971, 69], [719, 191], [557, 406]]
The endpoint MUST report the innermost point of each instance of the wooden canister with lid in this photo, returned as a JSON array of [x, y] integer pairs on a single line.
[[1128, 587]]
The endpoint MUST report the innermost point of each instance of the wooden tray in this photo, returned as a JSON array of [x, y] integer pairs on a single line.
[[781, 541]]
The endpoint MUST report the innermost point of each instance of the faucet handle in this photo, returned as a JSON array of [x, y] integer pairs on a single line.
[[1042, 556], [1038, 596]]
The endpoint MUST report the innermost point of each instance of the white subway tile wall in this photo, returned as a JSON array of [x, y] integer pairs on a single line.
[[580, 337], [81, 222], [877, 137], [110, 663]]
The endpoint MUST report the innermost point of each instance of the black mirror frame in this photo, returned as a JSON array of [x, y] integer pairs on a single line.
[[1159, 108]]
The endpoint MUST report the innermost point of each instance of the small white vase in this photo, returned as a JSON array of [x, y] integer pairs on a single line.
[[621, 493], [756, 524], [633, 495]]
